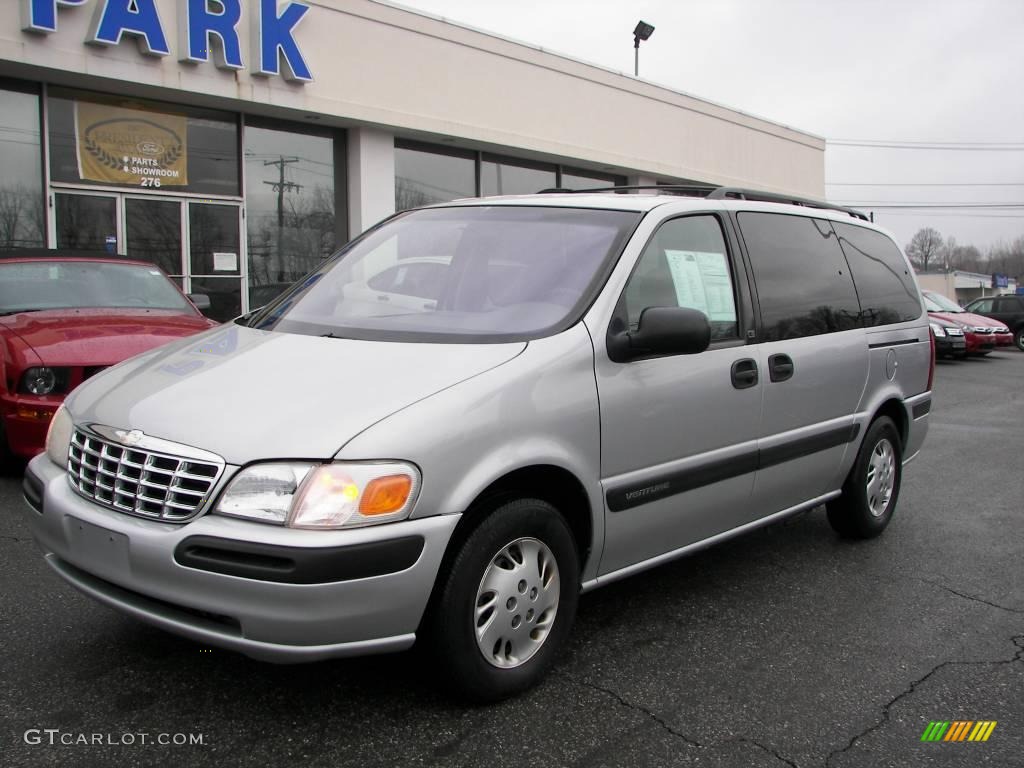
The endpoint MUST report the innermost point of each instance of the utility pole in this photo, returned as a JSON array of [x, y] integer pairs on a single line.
[[281, 186]]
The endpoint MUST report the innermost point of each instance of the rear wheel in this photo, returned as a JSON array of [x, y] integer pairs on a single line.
[[873, 485], [507, 602], [1018, 339]]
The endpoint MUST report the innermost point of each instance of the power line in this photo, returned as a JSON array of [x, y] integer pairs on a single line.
[[884, 204], [924, 184]]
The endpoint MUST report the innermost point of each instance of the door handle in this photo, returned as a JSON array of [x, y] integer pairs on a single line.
[[780, 367], [744, 373]]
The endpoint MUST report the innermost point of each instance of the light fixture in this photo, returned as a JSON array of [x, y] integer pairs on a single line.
[[642, 32]]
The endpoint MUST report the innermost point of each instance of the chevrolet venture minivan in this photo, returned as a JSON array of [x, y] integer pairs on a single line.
[[476, 411]]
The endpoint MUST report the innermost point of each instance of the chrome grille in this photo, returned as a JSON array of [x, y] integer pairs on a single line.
[[139, 481]]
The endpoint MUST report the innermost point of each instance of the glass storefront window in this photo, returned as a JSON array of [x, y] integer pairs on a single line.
[[22, 215], [113, 141], [289, 201], [425, 177], [572, 179], [498, 176]]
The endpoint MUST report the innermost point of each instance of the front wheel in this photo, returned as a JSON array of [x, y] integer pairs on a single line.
[[507, 602], [1018, 339], [873, 485]]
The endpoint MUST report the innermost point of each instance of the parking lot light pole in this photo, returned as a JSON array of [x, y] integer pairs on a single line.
[[642, 32]]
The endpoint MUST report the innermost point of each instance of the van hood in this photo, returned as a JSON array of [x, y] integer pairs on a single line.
[[251, 395]]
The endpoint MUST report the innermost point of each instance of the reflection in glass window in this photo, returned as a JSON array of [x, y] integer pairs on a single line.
[[149, 146], [289, 200], [803, 283], [685, 265], [423, 177], [22, 217], [585, 180], [885, 286], [499, 177]]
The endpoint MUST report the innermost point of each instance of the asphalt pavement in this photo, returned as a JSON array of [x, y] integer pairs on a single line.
[[785, 647]]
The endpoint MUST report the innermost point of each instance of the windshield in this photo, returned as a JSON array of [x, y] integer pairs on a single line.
[[474, 273], [936, 302], [38, 285]]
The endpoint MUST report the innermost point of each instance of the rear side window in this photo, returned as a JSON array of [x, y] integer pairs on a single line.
[[803, 282], [886, 290], [1010, 305]]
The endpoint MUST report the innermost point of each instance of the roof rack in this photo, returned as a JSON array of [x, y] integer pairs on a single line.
[[735, 193], [719, 193]]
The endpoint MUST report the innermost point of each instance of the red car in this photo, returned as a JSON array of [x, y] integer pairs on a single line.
[[982, 334], [63, 319]]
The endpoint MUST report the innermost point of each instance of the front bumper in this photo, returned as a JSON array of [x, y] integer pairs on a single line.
[[1004, 339], [26, 419], [950, 345], [130, 564], [978, 342]]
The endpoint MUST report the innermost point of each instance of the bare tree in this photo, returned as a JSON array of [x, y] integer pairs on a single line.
[[926, 246]]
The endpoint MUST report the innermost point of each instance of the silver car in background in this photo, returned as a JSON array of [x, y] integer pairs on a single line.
[[581, 386]]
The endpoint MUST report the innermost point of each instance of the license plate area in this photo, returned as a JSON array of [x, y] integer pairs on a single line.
[[96, 549]]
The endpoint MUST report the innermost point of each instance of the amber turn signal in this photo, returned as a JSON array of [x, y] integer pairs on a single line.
[[384, 495]]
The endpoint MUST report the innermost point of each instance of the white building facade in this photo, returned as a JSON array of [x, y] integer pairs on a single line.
[[237, 143]]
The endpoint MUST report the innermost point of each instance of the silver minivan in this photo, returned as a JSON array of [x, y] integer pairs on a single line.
[[476, 411]]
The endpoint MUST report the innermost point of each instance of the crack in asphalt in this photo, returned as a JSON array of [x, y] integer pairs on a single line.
[[770, 751], [18, 539], [660, 721], [630, 705], [968, 597], [1017, 640]]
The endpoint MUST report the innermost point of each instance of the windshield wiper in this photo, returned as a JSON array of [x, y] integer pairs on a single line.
[[6, 312]]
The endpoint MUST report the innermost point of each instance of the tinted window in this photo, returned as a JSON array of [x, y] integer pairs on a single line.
[[884, 285], [803, 282], [22, 216], [290, 231], [1010, 305], [499, 176], [685, 265], [423, 177]]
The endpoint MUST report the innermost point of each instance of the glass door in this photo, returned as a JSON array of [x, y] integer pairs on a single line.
[[215, 256], [197, 243], [152, 229], [87, 222]]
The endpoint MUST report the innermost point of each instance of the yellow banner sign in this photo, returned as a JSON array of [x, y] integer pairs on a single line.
[[117, 145]]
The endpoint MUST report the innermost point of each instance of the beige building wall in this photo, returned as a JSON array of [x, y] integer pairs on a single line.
[[416, 76]]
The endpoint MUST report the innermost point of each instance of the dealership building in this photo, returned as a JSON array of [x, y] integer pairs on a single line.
[[237, 143]]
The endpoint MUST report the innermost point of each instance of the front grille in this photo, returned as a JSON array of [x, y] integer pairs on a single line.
[[981, 329], [91, 370], [139, 482]]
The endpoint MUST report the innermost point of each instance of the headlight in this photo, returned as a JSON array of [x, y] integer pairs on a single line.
[[39, 381], [937, 329], [305, 495], [58, 437]]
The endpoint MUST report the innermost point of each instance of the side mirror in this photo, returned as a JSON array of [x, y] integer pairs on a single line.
[[663, 331], [201, 300]]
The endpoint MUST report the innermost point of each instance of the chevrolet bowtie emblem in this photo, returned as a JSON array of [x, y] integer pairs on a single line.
[[129, 438]]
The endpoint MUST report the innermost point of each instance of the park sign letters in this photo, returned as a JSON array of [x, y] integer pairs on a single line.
[[208, 30]]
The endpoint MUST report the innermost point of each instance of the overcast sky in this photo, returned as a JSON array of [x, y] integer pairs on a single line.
[[864, 70]]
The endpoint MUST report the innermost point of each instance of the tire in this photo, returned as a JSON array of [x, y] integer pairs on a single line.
[[863, 513], [1018, 339], [514, 579]]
